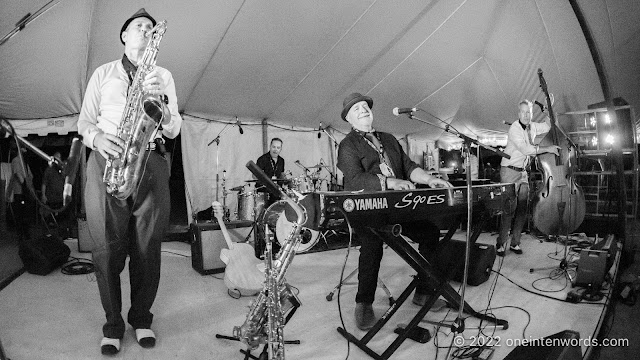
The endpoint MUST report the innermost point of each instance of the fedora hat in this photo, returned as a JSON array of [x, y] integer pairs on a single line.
[[140, 13], [353, 99]]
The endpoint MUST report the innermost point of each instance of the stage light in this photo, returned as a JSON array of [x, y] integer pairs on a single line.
[[594, 141], [607, 119], [609, 139], [592, 121]]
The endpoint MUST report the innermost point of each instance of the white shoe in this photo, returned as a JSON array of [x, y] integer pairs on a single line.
[[146, 338], [109, 346]]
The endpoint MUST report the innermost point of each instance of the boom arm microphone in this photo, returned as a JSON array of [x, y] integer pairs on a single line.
[[71, 168], [239, 126], [397, 111]]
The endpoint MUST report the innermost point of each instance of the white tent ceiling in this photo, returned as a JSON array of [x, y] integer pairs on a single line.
[[467, 62]]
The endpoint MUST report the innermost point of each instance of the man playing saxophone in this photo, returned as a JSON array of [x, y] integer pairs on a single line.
[[134, 226]]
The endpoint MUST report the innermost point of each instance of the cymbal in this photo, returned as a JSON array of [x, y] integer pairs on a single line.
[[319, 167], [274, 180]]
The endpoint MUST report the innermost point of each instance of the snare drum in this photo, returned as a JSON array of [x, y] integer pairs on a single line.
[[250, 205]]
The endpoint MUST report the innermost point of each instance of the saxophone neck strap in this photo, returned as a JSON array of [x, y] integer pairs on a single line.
[[129, 68]]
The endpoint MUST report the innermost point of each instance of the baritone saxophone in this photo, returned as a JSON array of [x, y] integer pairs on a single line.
[[142, 116], [277, 302]]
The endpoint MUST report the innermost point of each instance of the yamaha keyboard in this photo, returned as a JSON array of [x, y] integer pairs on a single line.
[[397, 206]]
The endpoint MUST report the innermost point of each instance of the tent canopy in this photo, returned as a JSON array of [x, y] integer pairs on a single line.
[[465, 62]]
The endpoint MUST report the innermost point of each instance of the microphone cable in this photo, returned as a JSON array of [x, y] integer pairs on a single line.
[[77, 266]]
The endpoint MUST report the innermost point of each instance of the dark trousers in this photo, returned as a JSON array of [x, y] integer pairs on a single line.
[[517, 210], [133, 227], [425, 233]]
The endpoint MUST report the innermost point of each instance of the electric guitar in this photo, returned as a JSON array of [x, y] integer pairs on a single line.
[[241, 274]]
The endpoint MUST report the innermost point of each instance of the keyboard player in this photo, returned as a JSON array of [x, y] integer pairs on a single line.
[[371, 161]]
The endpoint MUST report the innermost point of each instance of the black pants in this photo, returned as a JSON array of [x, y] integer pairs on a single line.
[[425, 233], [133, 227]]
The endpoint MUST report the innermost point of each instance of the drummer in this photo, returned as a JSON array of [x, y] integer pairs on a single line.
[[273, 165]]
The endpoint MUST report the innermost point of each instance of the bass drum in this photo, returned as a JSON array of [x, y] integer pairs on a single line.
[[275, 217]]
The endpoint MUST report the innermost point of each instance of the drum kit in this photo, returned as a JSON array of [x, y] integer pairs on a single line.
[[252, 202]]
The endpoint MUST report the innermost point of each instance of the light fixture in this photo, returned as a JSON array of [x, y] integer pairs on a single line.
[[609, 139]]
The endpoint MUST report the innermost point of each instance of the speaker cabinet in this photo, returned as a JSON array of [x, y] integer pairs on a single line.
[[451, 255], [564, 345], [207, 241]]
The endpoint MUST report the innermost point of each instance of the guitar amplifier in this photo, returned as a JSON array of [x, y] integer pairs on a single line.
[[207, 240]]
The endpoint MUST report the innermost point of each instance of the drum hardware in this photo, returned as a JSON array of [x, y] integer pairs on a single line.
[[274, 180], [238, 188], [226, 216]]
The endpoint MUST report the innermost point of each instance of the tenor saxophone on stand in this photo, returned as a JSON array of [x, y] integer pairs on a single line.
[[142, 116], [266, 318]]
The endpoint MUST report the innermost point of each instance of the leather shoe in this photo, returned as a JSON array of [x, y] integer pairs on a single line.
[[146, 338], [500, 250], [109, 346], [516, 249], [365, 318]]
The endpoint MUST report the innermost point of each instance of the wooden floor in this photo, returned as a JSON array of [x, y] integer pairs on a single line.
[[59, 316]]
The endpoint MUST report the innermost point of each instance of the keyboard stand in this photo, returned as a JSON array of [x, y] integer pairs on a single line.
[[439, 284]]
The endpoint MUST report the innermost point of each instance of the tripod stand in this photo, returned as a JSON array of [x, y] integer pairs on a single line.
[[564, 264]]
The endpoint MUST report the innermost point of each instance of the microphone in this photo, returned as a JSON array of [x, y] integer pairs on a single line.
[[320, 130], [70, 169], [297, 162], [507, 123], [239, 126], [397, 111]]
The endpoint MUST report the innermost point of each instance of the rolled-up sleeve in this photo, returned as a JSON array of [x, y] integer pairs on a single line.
[[172, 129]]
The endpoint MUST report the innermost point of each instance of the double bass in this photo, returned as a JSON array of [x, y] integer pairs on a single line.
[[558, 206]]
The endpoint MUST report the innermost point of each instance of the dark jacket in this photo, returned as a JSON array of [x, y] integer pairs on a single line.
[[264, 163], [360, 163]]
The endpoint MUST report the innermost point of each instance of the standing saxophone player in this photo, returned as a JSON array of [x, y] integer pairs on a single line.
[[134, 226]]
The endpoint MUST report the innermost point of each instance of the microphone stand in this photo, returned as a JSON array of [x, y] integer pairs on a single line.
[[7, 128], [217, 141], [334, 174], [458, 326]]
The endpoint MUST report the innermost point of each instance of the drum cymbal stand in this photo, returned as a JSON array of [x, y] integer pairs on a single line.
[[333, 184], [227, 213], [217, 141]]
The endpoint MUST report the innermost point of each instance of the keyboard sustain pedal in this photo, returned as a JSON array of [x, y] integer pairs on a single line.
[[418, 333]]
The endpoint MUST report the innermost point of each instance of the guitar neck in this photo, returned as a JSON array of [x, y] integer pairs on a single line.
[[225, 232]]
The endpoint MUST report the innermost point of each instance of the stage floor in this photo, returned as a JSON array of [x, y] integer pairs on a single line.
[[59, 316]]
